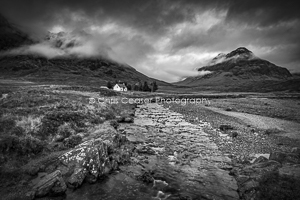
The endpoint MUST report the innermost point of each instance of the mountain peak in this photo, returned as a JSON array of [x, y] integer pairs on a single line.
[[243, 63], [239, 69], [241, 51]]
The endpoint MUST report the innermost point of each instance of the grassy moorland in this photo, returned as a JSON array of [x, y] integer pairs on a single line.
[[40, 122]]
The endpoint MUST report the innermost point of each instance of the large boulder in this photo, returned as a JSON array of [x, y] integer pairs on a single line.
[[90, 157], [85, 162], [50, 184], [77, 178]]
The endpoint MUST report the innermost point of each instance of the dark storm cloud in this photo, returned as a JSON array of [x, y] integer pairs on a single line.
[[156, 36], [151, 15], [263, 13]]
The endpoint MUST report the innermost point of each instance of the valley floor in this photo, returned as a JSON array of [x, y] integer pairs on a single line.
[[233, 148]]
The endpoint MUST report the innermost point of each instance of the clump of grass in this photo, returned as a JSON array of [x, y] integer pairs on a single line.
[[16, 138], [29, 124], [65, 130], [97, 120], [272, 186], [109, 115], [17, 131], [72, 141], [51, 121], [27, 145], [114, 124], [7, 122]]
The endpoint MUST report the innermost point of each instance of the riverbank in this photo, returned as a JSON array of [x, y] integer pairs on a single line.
[[260, 155]]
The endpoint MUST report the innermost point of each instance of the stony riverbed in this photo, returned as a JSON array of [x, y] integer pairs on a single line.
[[182, 154], [167, 157]]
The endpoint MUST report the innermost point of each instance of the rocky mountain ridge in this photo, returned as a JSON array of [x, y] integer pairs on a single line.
[[241, 70], [242, 62]]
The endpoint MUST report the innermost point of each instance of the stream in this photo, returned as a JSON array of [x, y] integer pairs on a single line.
[[178, 158]]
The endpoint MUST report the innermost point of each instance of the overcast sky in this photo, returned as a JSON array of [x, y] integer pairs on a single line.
[[168, 39]]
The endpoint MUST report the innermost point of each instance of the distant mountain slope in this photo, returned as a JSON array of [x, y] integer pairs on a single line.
[[10, 36], [240, 70], [66, 69], [242, 62], [40, 69]]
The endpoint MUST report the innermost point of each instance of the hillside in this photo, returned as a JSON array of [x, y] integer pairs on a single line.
[[242, 62], [65, 66], [69, 70], [241, 70], [11, 36]]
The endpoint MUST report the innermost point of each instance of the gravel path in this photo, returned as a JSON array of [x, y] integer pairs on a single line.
[[289, 128]]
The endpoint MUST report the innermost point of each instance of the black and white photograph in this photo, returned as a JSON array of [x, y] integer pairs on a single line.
[[149, 100]]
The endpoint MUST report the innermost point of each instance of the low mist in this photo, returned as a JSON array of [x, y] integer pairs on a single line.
[[203, 72], [67, 45], [223, 58]]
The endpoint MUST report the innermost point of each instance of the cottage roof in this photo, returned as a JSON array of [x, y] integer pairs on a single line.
[[121, 85]]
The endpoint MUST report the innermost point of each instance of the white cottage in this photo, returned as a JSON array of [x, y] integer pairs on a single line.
[[120, 87]]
